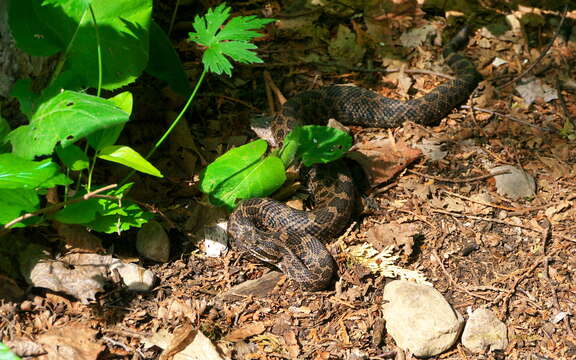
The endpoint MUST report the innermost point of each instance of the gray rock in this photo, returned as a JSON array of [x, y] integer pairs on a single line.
[[152, 242], [419, 318], [135, 277], [517, 184], [484, 331]]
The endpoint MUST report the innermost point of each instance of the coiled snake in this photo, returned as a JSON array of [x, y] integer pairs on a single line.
[[293, 240]]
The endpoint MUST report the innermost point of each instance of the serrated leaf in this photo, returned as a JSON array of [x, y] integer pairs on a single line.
[[18, 173], [73, 157], [104, 214], [16, 202], [127, 156], [230, 164], [231, 39], [64, 119], [258, 180]]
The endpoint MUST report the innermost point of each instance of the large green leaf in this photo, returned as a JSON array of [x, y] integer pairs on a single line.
[[128, 157], [319, 144], [14, 203], [64, 119], [230, 164], [18, 173], [106, 137], [257, 180], [48, 28]]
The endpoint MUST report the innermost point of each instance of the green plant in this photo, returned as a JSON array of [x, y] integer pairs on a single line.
[[102, 45], [6, 354], [246, 171]]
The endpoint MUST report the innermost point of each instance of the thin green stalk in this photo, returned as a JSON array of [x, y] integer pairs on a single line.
[[64, 56], [90, 171], [173, 125], [98, 50]]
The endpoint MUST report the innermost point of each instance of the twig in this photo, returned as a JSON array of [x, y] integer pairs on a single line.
[[542, 54], [510, 118], [477, 178], [59, 205], [387, 71], [473, 217]]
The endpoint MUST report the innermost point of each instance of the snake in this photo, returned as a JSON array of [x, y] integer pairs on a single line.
[[294, 240]]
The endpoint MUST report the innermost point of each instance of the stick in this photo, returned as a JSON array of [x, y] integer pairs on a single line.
[[542, 54], [59, 205], [478, 178]]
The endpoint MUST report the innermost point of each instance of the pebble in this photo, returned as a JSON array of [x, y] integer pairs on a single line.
[[517, 184], [419, 318], [135, 277], [484, 331]]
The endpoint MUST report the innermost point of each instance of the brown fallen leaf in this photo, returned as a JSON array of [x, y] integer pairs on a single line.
[[383, 159], [187, 343], [75, 341], [400, 236], [247, 331]]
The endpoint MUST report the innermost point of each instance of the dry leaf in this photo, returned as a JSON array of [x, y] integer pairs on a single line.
[[383, 159], [246, 331], [399, 236], [73, 342]]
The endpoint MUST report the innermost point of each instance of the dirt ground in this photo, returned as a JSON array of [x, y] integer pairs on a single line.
[[442, 218]]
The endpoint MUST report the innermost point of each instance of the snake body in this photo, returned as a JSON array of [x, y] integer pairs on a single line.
[[293, 240]]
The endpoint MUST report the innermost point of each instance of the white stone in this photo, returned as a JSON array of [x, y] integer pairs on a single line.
[[419, 318], [484, 331], [135, 277]]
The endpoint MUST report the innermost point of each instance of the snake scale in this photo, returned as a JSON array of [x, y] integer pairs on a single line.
[[293, 240]]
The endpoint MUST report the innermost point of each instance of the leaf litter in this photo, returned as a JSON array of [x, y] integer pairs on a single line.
[[519, 270]]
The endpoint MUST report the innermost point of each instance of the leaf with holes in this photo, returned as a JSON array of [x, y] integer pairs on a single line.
[[65, 119]]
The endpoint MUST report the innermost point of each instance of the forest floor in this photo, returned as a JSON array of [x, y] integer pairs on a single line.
[[477, 247]]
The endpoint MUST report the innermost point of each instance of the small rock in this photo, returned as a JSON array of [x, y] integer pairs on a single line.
[[517, 184], [419, 318], [135, 277], [484, 331], [216, 239], [153, 243]]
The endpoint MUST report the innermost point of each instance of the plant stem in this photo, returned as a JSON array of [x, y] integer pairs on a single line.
[[98, 50], [64, 56], [173, 125]]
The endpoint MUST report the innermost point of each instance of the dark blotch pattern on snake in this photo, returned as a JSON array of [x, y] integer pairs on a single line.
[[293, 240]]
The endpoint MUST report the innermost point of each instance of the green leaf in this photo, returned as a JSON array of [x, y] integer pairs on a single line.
[[319, 144], [83, 212], [231, 163], [16, 202], [257, 180], [105, 215], [164, 62], [47, 28], [18, 173], [6, 354], [106, 137], [4, 130], [230, 40], [64, 119], [28, 99], [127, 156], [73, 157]]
